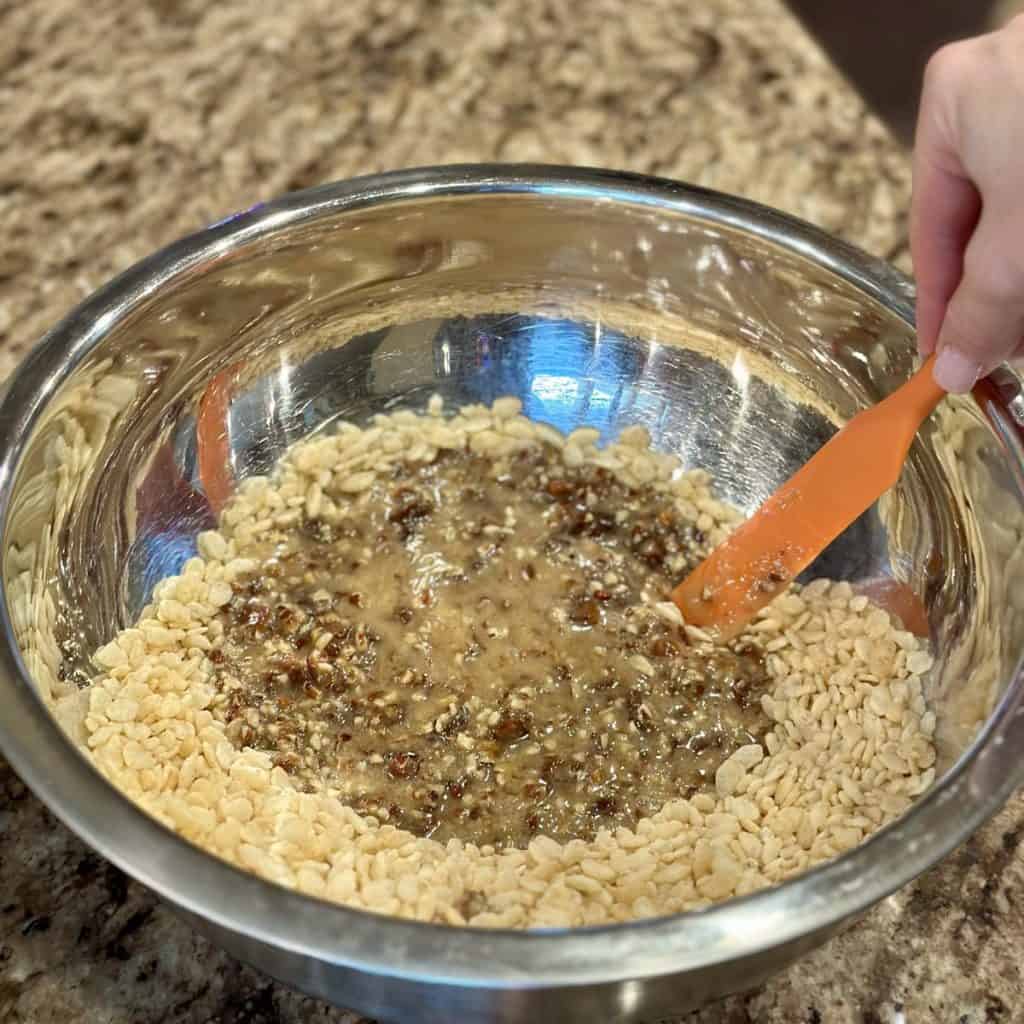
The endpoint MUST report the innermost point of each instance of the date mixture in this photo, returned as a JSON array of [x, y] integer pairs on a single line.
[[467, 656]]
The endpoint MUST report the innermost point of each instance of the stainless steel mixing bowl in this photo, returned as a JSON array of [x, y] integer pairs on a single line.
[[737, 335]]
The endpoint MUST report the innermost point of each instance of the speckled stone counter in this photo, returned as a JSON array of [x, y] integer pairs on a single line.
[[127, 125]]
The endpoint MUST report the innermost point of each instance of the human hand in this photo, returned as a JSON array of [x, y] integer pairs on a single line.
[[967, 212]]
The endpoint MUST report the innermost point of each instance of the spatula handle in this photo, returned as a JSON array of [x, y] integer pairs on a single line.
[[920, 395]]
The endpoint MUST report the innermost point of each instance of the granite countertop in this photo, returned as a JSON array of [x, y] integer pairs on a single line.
[[129, 124]]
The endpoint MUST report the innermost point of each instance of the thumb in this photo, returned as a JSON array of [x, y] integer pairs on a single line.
[[984, 320]]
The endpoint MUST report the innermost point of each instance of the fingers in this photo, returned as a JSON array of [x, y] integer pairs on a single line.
[[984, 321], [945, 204], [967, 217], [944, 212]]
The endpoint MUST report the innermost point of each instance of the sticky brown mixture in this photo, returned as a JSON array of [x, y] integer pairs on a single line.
[[470, 655]]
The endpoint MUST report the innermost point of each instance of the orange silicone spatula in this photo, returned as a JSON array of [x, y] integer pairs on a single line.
[[842, 480]]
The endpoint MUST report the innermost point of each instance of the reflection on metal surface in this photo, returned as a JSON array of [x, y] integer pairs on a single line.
[[737, 337]]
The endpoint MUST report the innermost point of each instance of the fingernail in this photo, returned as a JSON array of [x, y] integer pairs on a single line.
[[954, 372]]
